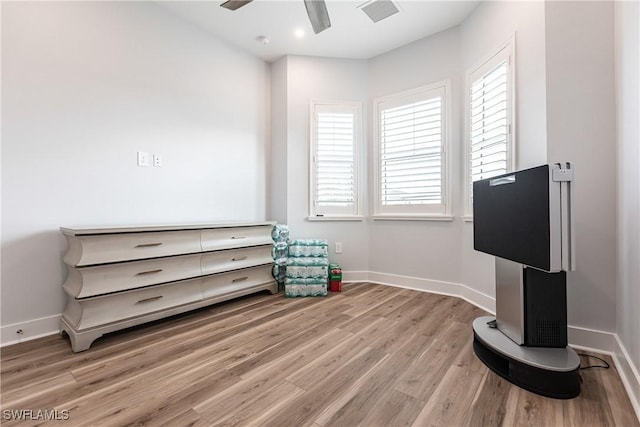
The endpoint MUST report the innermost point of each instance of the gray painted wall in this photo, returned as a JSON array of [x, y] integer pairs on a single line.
[[278, 203], [581, 129], [322, 79], [420, 248], [627, 18], [482, 33], [85, 85]]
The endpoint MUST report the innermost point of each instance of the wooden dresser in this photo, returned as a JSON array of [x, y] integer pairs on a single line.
[[124, 276]]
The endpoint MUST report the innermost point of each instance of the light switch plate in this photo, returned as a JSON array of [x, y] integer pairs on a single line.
[[157, 160], [143, 158]]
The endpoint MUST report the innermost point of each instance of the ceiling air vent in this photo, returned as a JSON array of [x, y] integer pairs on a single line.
[[378, 10]]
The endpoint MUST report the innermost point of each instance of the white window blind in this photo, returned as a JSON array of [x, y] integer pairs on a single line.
[[334, 177], [411, 153], [489, 124], [489, 132]]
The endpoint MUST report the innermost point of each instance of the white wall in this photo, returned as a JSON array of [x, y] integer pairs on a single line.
[[627, 19], [277, 199], [422, 249], [321, 79], [581, 129], [559, 53], [483, 33], [84, 86]]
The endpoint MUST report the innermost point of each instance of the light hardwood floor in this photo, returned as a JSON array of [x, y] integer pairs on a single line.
[[371, 356]]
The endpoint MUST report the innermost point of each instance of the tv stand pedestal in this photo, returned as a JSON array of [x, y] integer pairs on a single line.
[[551, 372]]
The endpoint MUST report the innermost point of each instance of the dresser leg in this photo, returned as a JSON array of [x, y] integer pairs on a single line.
[[80, 341]]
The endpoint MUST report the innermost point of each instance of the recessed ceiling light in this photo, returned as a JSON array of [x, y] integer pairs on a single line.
[[299, 33]]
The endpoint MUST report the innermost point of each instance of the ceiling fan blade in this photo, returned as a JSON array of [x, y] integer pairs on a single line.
[[318, 15], [234, 4]]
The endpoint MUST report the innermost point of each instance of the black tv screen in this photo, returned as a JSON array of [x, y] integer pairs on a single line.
[[512, 217]]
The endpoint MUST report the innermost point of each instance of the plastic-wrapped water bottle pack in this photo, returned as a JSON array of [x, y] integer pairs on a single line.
[[279, 253], [301, 265]]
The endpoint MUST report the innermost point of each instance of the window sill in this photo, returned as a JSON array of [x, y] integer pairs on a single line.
[[413, 217], [336, 218], [467, 218]]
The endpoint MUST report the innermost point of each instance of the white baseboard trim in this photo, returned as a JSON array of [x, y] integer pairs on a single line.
[[581, 338], [31, 330], [355, 276], [609, 343], [584, 338], [628, 373], [472, 296], [46, 326], [591, 339], [588, 339]]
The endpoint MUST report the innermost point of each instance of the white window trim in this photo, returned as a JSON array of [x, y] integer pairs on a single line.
[[506, 51], [356, 215], [445, 215]]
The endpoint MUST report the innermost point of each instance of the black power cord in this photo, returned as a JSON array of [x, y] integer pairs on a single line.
[[605, 366]]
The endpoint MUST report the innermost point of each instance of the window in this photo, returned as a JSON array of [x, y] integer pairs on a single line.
[[411, 153], [489, 130], [335, 157]]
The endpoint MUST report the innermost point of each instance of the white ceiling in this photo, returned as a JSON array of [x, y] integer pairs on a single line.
[[352, 33]]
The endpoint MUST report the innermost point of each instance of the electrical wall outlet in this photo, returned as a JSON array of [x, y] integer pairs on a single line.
[[157, 160], [338, 247]]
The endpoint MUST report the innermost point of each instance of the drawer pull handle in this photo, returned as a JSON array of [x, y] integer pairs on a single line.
[[142, 273], [239, 258], [238, 237], [148, 245], [142, 301], [239, 279]]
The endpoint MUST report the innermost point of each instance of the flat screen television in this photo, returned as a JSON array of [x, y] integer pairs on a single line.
[[518, 216]]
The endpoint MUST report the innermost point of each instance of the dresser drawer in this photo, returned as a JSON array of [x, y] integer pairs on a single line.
[[101, 310], [99, 249], [227, 238], [85, 282], [234, 259], [122, 276], [223, 283]]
